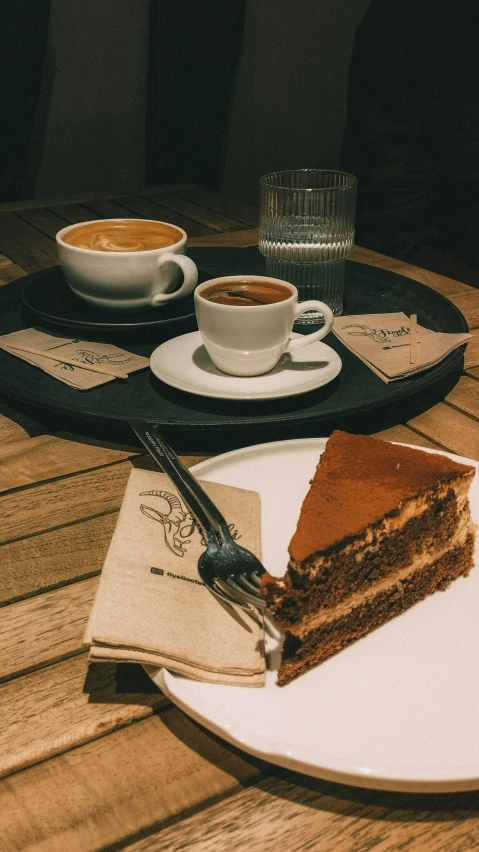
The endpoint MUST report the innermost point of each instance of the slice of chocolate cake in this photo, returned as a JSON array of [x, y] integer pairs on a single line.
[[381, 527]]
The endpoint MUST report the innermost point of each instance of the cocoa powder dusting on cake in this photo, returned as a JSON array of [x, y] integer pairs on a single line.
[[357, 495]]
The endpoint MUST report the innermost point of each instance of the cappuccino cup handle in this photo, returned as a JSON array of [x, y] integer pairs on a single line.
[[190, 277], [306, 339]]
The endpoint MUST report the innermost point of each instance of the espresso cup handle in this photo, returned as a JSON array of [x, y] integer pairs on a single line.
[[190, 277], [306, 339]]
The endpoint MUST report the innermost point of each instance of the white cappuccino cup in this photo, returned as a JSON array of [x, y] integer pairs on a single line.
[[245, 322], [126, 264]]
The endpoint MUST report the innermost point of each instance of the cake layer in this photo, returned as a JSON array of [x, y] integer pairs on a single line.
[[421, 560], [300, 655], [427, 523]]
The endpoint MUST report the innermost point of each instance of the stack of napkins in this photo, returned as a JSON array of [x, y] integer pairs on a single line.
[[393, 345], [152, 606], [82, 364]]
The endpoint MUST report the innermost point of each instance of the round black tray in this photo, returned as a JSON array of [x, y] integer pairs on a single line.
[[48, 298], [356, 390]]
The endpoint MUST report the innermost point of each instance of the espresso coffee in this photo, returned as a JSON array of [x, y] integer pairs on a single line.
[[252, 342], [122, 235], [246, 292]]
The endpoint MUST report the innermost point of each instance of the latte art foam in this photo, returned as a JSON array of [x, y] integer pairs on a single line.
[[122, 235]]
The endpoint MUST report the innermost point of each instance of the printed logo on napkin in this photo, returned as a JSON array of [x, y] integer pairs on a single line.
[[88, 353], [383, 342], [152, 606]]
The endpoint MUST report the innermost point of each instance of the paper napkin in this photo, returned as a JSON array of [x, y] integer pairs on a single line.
[[86, 352], [384, 342], [152, 606]]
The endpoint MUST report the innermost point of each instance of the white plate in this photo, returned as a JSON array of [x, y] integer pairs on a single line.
[[184, 363], [397, 710]]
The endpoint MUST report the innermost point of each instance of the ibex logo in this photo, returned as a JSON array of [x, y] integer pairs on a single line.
[[178, 523]]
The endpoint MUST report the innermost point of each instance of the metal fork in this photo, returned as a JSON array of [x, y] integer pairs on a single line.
[[230, 572]]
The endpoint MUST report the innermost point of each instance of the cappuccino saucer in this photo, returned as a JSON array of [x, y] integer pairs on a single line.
[[184, 364]]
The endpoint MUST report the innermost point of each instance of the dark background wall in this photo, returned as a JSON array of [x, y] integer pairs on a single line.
[[290, 96], [212, 92], [94, 97]]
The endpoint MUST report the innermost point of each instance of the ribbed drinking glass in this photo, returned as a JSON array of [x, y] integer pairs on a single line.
[[306, 232]]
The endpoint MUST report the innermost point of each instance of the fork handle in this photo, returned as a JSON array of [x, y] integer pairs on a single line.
[[210, 519]]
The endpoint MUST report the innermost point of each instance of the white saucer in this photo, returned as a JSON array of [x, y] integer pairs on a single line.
[[184, 363]]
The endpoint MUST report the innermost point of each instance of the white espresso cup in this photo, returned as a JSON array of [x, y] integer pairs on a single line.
[[245, 322], [126, 264]]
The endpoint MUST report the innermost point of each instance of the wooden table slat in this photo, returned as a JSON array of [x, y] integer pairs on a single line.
[[105, 208], [405, 435], [465, 397], [46, 457], [56, 504], [471, 357], [72, 213], [48, 560], [468, 304], [238, 211], [148, 209], [24, 245], [44, 220], [56, 620], [121, 786], [293, 813], [10, 431], [209, 216], [9, 271], [248, 237], [452, 429], [62, 706], [83, 197], [17, 422]]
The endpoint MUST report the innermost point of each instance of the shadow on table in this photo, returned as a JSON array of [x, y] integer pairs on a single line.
[[377, 805], [120, 683]]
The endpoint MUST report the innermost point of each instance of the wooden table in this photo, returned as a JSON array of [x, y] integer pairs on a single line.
[[96, 758]]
